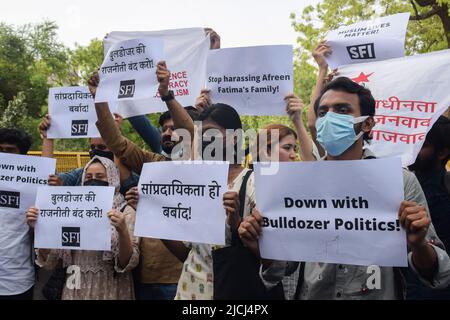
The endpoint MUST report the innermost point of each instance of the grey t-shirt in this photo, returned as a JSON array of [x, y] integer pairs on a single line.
[[16, 266], [334, 281]]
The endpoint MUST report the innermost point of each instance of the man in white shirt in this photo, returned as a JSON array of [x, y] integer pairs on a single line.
[[16, 264]]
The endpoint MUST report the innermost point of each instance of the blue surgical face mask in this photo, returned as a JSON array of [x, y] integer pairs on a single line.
[[335, 132]]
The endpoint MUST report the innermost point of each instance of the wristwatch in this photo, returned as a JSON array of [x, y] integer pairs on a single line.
[[169, 96]]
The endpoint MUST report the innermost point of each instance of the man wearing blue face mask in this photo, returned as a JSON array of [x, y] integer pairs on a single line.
[[344, 109], [345, 113]]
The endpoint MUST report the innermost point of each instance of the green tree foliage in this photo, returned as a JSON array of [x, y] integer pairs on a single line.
[[428, 29], [31, 59], [84, 60]]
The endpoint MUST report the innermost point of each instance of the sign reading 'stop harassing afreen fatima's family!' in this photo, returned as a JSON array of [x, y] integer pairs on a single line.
[[253, 80], [129, 70]]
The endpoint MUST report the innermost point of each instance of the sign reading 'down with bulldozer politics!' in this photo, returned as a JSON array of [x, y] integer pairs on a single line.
[[19, 178]]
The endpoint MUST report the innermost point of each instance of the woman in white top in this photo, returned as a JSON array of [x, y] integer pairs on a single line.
[[104, 275]]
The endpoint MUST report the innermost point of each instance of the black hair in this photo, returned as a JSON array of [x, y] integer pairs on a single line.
[[226, 117], [193, 113], [344, 84], [439, 136], [16, 137], [164, 117], [222, 114]]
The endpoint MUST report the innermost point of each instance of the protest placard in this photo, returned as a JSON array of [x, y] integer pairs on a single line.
[[72, 113], [185, 52], [182, 202], [411, 93], [74, 218], [368, 41], [253, 80], [311, 215], [20, 176], [129, 70]]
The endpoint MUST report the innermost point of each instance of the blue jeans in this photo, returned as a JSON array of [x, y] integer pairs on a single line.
[[156, 291]]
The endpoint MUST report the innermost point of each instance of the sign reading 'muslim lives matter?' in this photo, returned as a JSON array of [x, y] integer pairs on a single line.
[[74, 218], [253, 80], [128, 71], [72, 113], [179, 201], [367, 41], [310, 215], [20, 176]]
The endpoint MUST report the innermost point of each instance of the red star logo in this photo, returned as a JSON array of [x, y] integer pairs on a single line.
[[362, 77]]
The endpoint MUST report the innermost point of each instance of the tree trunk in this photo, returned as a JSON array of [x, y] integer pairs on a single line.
[[445, 18], [440, 11]]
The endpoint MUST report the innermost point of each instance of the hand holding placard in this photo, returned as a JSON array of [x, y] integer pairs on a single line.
[[320, 52], [163, 76]]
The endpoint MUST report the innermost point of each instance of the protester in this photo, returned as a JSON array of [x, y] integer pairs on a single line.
[[319, 54], [161, 142], [104, 275], [134, 157], [349, 107], [159, 270], [287, 151], [434, 179], [129, 153], [17, 276], [196, 280], [128, 179]]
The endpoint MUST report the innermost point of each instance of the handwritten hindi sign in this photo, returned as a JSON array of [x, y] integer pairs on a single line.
[[311, 215], [20, 176], [74, 218], [129, 70], [411, 93], [368, 41], [72, 113], [254, 80], [185, 52], [182, 202]]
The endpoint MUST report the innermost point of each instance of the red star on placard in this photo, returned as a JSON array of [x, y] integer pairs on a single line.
[[362, 77]]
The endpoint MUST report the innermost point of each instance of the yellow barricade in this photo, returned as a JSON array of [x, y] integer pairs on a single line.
[[66, 161]]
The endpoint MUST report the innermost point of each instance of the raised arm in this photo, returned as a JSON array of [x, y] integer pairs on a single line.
[[319, 54], [294, 108], [47, 144], [147, 132], [180, 117], [128, 152]]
